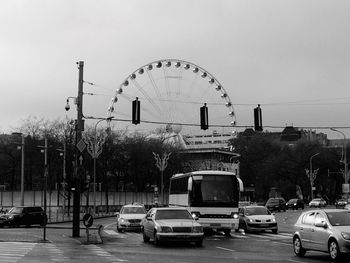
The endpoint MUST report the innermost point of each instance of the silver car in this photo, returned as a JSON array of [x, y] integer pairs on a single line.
[[326, 230], [130, 217], [171, 224], [257, 218]]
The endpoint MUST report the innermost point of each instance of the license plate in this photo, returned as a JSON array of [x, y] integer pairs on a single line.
[[264, 225], [215, 224]]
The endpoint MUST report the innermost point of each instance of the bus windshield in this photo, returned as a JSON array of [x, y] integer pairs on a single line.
[[214, 191]]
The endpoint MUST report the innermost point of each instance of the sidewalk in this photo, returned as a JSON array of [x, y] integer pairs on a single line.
[[55, 233]]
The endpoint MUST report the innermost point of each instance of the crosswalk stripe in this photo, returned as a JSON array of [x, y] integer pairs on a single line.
[[14, 251]]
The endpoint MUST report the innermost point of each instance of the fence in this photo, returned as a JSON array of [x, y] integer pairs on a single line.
[[57, 204]]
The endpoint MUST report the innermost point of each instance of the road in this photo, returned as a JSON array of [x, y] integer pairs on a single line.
[[129, 246]]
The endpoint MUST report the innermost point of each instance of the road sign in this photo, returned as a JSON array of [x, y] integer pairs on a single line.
[[81, 145], [88, 220], [346, 189]]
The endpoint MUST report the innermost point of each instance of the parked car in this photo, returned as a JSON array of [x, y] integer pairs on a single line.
[[171, 224], [340, 203], [257, 218], [317, 202], [24, 215], [326, 230], [295, 203], [276, 204], [347, 206], [130, 217]]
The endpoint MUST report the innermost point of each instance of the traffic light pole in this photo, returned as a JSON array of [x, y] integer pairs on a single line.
[[78, 155]]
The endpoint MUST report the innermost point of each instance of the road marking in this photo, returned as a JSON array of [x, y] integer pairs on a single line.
[[111, 232], [291, 260], [14, 251], [227, 249]]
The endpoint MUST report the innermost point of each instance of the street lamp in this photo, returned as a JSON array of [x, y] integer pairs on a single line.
[[346, 172], [162, 163], [312, 175], [21, 147], [94, 148]]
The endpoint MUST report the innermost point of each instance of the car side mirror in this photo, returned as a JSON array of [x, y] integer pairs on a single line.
[[321, 224]]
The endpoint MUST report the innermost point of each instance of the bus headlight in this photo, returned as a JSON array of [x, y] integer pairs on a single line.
[[234, 215], [196, 215]]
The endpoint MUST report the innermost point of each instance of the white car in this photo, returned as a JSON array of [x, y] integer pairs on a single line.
[[317, 202], [171, 224], [257, 218], [130, 217]]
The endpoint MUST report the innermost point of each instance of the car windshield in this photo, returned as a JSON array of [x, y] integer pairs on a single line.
[[316, 200], [257, 211], [173, 214], [133, 210], [293, 201], [272, 201], [15, 210], [339, 218]]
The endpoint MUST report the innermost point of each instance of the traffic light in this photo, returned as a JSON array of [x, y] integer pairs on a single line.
[[204, 117], [257, 119], [136, 111]]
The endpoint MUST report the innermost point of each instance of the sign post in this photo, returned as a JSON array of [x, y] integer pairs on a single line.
[[87, 221]]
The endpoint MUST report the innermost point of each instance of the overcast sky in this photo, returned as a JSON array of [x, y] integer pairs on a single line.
[[292, 57]]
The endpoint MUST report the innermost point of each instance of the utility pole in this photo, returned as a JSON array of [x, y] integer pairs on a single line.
[[45, 185], [78, 154], [22, 171]]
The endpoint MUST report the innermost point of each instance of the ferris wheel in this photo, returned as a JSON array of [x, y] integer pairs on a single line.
[[171, 92]]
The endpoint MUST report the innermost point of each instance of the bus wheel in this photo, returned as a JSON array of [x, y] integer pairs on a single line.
[[227, 232]]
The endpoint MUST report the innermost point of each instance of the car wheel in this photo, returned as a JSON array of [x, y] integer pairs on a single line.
[[274, 231], [145, 238], [333, 250], [155, 239], [227, 232], [297, 247], [120, 230]]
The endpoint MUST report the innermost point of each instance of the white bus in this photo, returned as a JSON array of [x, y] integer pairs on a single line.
[[212, 196]]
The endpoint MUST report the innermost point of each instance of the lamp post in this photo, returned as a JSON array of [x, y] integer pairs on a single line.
[[45, 183], [346, 172], [94, 148], [22, 171], [162, 163], [312, 175], [21, 147]]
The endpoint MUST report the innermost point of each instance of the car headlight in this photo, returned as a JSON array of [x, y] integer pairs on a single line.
[[122, 220], [250, 220], [345, 235], [166, 229], [273, 220], [197, 229], [11, 217], [294, 204]]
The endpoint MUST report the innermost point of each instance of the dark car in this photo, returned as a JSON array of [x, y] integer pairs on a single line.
[[295, 203], [24, 215], [340, 203], [276, 204]]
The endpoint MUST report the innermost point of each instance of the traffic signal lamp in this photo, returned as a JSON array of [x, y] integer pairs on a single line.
[[258, 119], [204, 117], [136, 111]]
